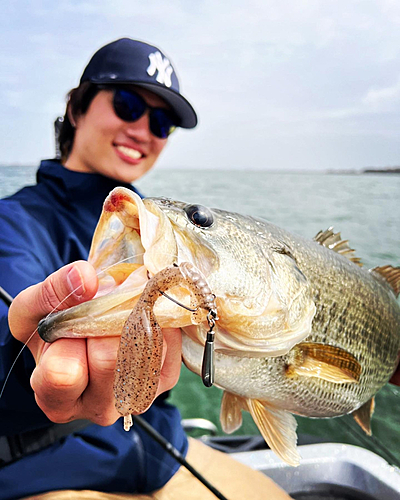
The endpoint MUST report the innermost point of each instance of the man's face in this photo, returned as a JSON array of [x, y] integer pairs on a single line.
[[107, 145]]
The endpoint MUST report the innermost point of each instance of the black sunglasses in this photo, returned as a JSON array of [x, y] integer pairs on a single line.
[[130, 106]]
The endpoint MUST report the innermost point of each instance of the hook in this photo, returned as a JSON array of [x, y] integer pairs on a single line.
[[178, 303]]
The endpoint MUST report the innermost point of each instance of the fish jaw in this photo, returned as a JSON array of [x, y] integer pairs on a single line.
[[133, 240], [132, 230]]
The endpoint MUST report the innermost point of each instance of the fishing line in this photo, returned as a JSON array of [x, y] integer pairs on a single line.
[[15, 360], [166, 445]]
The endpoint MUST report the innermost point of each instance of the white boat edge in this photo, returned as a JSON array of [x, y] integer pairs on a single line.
[[344, 465]]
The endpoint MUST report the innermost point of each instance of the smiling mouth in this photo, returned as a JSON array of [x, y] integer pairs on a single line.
[[131, 153]]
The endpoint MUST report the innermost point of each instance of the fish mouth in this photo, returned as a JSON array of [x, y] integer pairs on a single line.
[[133, 240]]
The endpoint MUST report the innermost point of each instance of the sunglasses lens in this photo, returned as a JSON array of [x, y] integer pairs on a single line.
[[128, 105], [162, 123]]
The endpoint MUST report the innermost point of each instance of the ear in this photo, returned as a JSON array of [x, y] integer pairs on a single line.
[[71, 116]]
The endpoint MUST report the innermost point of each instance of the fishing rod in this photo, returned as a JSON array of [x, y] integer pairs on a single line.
[[175, 453], [5, 297], [164, 443]]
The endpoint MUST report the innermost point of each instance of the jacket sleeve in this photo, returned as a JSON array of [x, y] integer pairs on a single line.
[[22, 263]]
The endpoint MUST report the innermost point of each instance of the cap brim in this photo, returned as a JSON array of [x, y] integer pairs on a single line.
[[182, 108]]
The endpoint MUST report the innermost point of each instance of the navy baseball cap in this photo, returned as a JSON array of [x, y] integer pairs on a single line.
[[127, 61]]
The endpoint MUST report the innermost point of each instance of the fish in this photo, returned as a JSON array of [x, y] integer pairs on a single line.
[[301, 328]]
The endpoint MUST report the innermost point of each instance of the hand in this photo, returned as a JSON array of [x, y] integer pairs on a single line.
[[73, 378]]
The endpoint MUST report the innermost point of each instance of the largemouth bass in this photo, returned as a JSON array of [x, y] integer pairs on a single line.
[[302, 328]]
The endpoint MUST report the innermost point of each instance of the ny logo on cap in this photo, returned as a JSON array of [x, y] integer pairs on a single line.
[[162, 66]]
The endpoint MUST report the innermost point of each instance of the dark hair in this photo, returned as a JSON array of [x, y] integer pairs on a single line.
[[79, 100]]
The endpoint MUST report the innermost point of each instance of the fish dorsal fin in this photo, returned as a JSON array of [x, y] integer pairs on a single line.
[[311, 359], [231, 412], [391, 275], [334, 242], [278, 428], [363, 415]]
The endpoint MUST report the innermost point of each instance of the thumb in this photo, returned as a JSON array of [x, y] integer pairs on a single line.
[[72, 284]]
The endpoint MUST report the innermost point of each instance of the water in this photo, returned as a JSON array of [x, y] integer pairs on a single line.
[[364, 208]]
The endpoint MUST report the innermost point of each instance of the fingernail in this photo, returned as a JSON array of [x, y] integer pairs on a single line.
[[75, 282]]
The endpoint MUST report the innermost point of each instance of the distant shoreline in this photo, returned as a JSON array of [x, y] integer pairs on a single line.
[[329, 171], [393, 170]]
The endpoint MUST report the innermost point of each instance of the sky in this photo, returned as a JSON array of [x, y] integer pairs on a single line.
[[277, 84]]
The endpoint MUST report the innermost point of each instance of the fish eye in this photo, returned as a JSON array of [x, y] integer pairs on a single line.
[[199, 215]]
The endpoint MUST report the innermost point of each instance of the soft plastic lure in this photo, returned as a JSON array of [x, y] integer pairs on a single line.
[[139, 359]]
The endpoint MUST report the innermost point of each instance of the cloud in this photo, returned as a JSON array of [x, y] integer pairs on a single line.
[[380, 98], [261, 74]]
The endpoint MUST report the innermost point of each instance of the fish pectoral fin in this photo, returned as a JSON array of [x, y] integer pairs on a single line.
[[231, 412], [278, 428], [311, 359], [363, 415]]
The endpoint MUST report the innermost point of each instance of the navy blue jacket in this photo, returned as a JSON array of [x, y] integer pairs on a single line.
[[42, 228]]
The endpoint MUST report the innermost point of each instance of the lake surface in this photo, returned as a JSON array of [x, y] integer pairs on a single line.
[[364, 208]]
